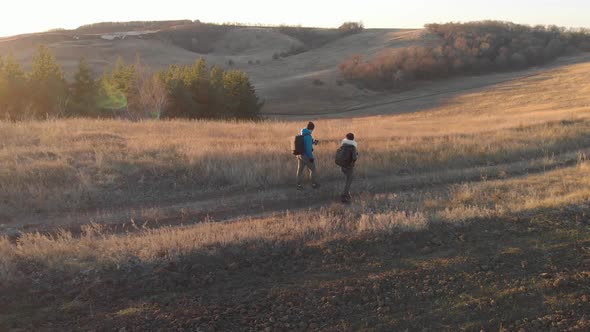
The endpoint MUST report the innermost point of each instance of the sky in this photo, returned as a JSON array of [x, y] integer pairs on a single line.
[[24, 16]]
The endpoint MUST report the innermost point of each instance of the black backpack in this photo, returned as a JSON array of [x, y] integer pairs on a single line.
[[343, 156], [298, 146]]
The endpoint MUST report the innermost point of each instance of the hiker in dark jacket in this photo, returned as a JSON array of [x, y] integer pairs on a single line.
[[306, 159], [349, 146]]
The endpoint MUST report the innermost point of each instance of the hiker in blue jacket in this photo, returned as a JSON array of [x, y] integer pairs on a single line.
[[306, 159]]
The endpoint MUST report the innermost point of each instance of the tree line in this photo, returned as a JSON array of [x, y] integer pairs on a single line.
[[468, 48], [110, 27], [132, 91]]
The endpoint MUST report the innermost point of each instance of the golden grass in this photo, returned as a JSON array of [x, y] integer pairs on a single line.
[[550, 190], [59, 166], [372, 214], [95, 249], [76, 164]]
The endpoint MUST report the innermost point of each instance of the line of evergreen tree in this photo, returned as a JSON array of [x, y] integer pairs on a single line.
[[132, 91]]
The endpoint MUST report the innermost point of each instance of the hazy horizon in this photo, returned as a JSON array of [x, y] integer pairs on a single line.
[[373, 13]]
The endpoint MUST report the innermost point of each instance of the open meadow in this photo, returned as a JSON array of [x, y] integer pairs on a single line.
[[469, 215], [89, 168]]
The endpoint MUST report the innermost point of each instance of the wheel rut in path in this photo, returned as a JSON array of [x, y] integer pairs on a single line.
[[237, 206]]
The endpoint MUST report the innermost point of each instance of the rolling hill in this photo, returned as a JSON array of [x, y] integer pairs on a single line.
[[308, 55]]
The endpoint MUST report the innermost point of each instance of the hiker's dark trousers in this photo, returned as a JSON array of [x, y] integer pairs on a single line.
[[302, 163], [349, 175]]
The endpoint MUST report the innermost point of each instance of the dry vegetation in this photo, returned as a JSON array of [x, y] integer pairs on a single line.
[[376, 214], [94, 164], [466, 48], [473, 253], [509, 253]]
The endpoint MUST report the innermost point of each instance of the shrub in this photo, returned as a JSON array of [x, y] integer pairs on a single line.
[[293, 50], [518, 60], [465, 49], [351, 27], [555, 48]]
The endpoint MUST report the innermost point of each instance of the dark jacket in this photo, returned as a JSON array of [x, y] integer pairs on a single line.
[[350, 147]]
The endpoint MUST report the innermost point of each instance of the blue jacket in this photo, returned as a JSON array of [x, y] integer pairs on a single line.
[[308, 142]]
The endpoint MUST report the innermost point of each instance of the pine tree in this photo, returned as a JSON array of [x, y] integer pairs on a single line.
[[110, 97], [216, 92], [84, 92], [14, 90], [123, 76], [197, 92], [200, 88], [201, 72], [216, 78], [123, 81], [181, 104], [241, 99], [177, 80], [49, 86]]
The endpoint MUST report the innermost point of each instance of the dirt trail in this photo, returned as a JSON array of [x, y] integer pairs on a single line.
[[238, 205]]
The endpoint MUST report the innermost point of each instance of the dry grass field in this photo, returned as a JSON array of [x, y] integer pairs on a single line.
[[471, 214], [374, 213], [506, 254], [91, 166]]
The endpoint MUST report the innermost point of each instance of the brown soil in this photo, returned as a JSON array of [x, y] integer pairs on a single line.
[[529, 272]]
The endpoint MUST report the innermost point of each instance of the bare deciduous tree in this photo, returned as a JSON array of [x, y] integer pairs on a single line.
[[152, 92]]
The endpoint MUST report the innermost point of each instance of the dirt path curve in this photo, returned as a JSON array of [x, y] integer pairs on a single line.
[[240, 205]]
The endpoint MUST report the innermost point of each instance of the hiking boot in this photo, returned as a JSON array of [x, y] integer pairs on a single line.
[[346, 198], [316, 186]]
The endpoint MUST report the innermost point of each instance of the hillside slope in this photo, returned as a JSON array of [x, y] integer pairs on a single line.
[[305, 83], [285, 83]]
